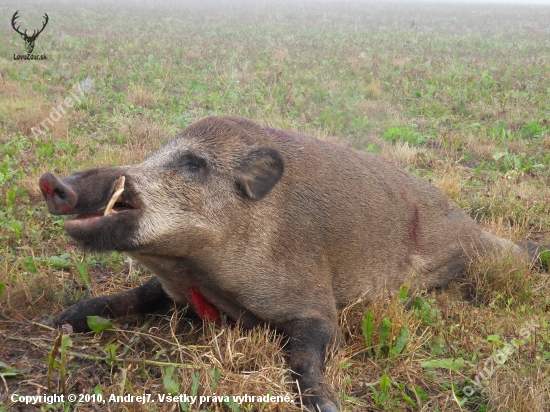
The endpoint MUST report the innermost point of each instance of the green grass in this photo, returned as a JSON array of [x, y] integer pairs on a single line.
[[457, 94]]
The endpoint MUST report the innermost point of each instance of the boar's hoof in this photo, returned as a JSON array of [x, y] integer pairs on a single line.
[[147, 298], [76, 316], [321, 399], [328, 407], [321, 403]]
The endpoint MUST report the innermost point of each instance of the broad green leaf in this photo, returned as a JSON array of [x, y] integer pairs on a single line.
[[66, 342], [215, 378], [408, 399], [7, 371], [110, 350], [385, 329], [171, 384], [97, 324], [195, 384], [368, 327], [447, 363], [403, 291], [83, 272], [545, 257], [60, 261], [495, 339], [385, 383], [420, 393], [400, 341]]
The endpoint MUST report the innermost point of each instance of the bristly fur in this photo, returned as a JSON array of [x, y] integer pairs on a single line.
[[273, 226]]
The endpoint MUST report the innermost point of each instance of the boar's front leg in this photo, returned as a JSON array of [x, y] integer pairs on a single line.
[[146, 298], [309, 341]]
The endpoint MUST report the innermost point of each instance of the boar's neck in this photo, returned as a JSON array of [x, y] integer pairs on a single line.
[[189, 282]]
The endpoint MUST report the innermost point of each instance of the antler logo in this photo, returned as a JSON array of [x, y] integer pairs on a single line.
[[29, 40]]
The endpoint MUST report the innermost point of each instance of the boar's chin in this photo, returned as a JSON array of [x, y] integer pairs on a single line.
[[96, 232]]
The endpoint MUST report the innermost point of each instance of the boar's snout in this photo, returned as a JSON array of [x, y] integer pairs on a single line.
[[61, 198]]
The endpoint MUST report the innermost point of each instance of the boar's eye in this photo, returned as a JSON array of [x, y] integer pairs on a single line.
[[196, 163], [191, 163]]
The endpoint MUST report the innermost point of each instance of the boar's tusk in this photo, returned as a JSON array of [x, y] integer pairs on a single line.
[[117, 191]]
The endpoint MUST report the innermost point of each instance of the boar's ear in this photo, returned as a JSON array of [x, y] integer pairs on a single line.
[[259, 171]]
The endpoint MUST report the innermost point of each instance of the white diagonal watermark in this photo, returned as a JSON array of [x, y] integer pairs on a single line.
[[76, 92], [497, 360]]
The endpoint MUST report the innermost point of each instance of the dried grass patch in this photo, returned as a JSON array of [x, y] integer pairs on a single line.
[[139, 96], [500, 278]]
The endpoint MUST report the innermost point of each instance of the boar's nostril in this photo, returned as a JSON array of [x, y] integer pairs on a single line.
[[60, 193], [60, 197]]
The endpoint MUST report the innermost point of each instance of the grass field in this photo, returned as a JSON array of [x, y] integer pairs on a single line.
[[457, 94]]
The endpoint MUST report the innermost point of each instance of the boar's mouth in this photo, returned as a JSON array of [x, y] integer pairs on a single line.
[[115, 204], [110, 224]]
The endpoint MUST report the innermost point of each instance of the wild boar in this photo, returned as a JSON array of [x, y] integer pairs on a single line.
[[265, 226]]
